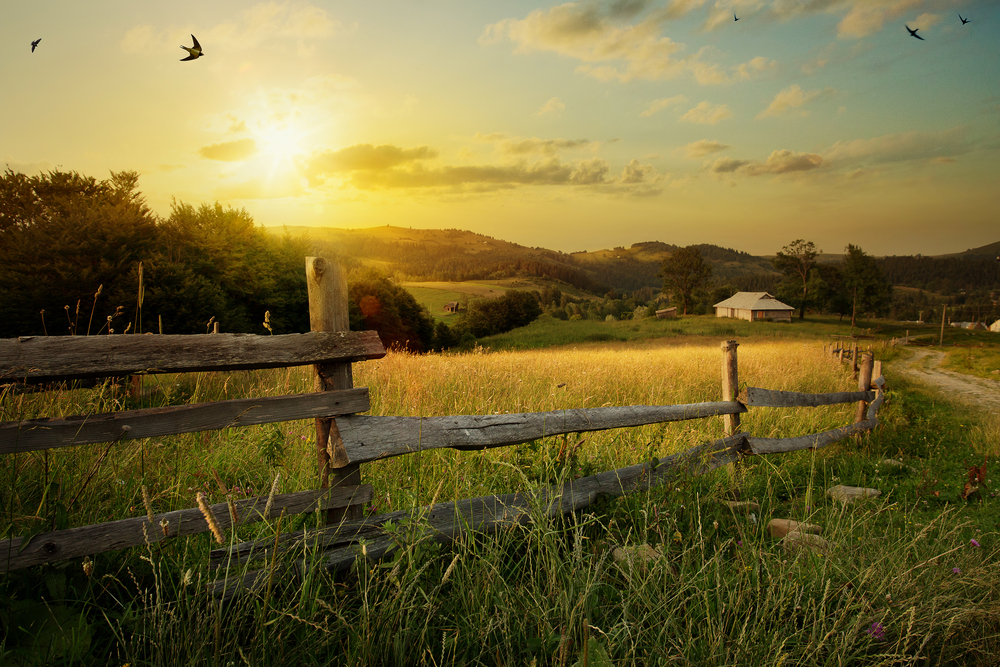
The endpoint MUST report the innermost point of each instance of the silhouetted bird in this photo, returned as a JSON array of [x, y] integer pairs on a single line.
[[913, 33], [34, 44], [735, 18], [195, 50], [964, 21]]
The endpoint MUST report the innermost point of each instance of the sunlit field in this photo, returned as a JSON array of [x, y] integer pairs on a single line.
[[912, 578]]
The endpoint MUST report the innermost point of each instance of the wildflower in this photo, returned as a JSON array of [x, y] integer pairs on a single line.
[[876, 630], [973, 542], [956, 570]]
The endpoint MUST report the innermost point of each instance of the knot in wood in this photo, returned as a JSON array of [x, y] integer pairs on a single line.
[[50, 548]]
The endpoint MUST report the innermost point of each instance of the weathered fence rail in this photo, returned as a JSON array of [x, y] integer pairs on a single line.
[[345, 439]]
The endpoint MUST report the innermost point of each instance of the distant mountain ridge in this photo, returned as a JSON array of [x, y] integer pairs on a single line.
[[455, 255], [458, 255]]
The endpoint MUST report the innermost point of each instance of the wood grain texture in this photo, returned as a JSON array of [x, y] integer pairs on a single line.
[[369, 438], [38, 434], [52, 358], [769, 398], [446, 522], [98, 538]]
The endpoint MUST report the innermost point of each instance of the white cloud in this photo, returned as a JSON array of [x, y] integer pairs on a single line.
[[707, 114]]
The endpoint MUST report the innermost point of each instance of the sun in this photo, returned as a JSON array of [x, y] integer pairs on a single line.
[[280, 144]]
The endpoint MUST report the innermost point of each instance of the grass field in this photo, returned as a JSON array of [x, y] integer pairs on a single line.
[[913, 578]]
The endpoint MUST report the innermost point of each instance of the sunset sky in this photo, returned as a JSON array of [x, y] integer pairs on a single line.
[[574, 126]]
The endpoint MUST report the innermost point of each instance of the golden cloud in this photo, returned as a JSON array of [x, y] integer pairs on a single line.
[[792, 98], [779, 162], [366, 157], [663, 103], [702, 147], [229, 151], [612, 51], [707, 114]]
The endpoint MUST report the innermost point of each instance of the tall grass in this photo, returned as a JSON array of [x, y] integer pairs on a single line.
[[904, 585]]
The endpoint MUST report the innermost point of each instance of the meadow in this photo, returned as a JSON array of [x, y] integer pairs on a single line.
[[912, 578]]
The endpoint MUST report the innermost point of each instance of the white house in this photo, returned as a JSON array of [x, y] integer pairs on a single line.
[[754, 307]]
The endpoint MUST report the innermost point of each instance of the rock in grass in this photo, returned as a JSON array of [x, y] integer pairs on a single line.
[[893, 463], [848, 494], [636, 554], [797, 541], [742, 505], [781, 527]]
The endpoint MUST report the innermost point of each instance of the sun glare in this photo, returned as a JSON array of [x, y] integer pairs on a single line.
[[279, 145]]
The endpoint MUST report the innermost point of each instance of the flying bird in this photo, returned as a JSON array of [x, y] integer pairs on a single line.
[[195, 50], [34, 44], [964, 21], [913, 33], [735, 18]]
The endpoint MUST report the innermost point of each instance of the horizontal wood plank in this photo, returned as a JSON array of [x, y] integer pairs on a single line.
[[98, 538], [813, 441], [51, 358], [446, 522], [37, 434], [769, 398], [368, 438]]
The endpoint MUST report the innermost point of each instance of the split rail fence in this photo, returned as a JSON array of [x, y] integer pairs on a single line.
[[346, 439]]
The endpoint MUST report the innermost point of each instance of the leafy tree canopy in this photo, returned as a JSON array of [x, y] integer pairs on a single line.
[[684, 272]]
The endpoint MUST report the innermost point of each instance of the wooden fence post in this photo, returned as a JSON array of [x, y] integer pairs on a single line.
[[864, 383], [854, 358], [730, 383], [326, 283]]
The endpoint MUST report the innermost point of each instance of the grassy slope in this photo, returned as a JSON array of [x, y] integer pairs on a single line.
[[904, 583]]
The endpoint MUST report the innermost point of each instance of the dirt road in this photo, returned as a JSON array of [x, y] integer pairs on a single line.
[[924, 365]]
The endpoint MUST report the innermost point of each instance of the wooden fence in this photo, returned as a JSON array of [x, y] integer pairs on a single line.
[[346, 439]]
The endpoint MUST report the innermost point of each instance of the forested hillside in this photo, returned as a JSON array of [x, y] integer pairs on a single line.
[[79, 256]]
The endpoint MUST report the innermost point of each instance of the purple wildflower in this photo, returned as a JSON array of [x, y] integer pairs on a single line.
[[956, 570], [973, 542], [876, 630]]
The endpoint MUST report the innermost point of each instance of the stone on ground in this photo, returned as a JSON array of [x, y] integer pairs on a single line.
[[848, 494], [636, 554], [797, 541], [781, 527]]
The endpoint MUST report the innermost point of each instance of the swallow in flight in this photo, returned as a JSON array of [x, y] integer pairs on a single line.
[[34, 44], [735, 18], [195, 50], [913, 33], [964, 21]]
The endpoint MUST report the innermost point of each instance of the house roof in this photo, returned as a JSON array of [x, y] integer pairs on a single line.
[[753, 301]]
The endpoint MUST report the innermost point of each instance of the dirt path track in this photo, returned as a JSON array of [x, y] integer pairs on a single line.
[[924, 365]]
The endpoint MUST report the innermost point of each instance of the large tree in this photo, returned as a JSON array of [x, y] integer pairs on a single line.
[[869, 290], [684, 272], [795, 261]]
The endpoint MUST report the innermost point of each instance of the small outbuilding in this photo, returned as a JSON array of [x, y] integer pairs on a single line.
[[451, 307], [754, 307], [666, 313], [995, 326]]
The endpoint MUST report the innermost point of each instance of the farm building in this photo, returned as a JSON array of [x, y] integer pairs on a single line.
[[754, 306], [666, 313], [451, 307], [995, 326]]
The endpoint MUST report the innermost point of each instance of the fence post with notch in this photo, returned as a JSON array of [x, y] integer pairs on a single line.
[[326, 283]]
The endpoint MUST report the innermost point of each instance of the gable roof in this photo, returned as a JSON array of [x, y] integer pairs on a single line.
[[753, 301]]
